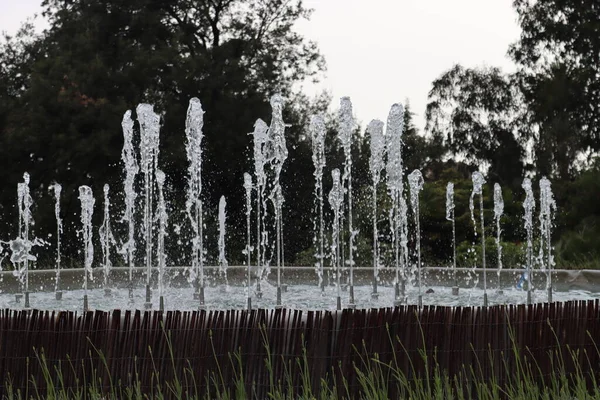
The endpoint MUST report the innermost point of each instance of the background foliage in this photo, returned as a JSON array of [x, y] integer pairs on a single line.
[[63, 94]]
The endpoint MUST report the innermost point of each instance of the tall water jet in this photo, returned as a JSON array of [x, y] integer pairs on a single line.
[[277, 153], [149, 140], [57, 189], [317, 133], [260, 139], [248, 249], [87, 210], [415, 182], [25, 222], [131, 168], [106, 241], [194, 123], [346, 127], [478, 182], [376, 165], [528, 206], [398, 221], [547, 211], [162, 229], [451, 217], [222, 258], [336, 200], [498, 211]]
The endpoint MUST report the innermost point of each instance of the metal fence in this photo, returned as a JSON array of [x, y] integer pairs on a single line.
[[117, 349]]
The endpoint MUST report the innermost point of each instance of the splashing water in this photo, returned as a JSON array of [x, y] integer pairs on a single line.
[[21, 252], [149, 141], [415, 182], [393, 139], [345, 130], [222, 219], [336, 200], [498, 211], [260, 138], [57, 189], [528, 206], [20, 257], [87, 210], [450, 217], [478, 182], [376, 165], [276, 154], [22, 246], [248, 250], [450, 201], [106, 237], [398, 210], [162, 229], [130, 166], [193, 205], [317, 133], [547, 211]]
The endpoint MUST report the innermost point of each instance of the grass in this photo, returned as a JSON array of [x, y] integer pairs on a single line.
[[522, 378]]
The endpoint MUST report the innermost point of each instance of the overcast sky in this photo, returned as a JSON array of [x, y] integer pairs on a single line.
[[380, 52]]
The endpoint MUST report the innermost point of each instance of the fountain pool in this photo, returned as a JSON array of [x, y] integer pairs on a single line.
[[335, 281], [302, 291]]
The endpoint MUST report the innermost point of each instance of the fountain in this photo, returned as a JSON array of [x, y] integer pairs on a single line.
[[149, 140], [276, 154], [336, 200], [528, 206], [248, 249], [193, 205], [346, 128], [107, 240], [57, 189], [547, 210], [398, 221], [451, 217], [498, 211], [392, 278], [222, 258], [478, 182], [415, 182], [317, 134], [375, 130], [87, 210], [260, 139], [23, 245], [162, 228], [131, 169]]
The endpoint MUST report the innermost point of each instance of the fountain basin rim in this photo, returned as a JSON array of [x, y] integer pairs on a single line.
[[310, 268]]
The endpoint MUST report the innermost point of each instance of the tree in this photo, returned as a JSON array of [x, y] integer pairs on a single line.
[[418, 151], [558, 54], [101, 58], [558, 133], [477, 112]]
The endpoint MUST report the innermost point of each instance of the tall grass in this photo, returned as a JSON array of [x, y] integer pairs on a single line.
[[376, 379]]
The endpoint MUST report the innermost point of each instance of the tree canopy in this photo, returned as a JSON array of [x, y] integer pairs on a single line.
[[63, 94]]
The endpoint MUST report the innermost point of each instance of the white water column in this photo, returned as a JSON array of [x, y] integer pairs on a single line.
[[345, 130], [376, 165], [194, 123], [87, 200], [317, 131], [149, 141]]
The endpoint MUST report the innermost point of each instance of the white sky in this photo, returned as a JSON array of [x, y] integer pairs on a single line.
[[380, 52]]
